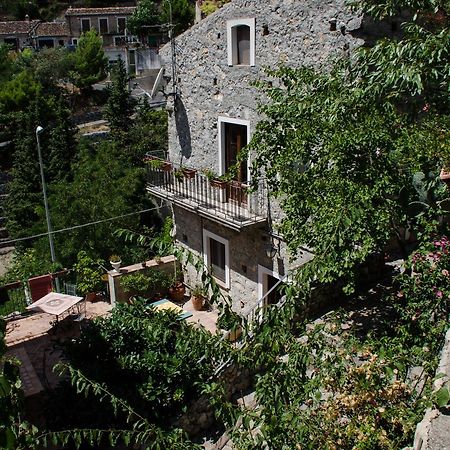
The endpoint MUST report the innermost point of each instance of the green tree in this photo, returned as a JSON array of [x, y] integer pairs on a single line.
[[120, 104], [104, 184], [90, 60], [148, 133], [183, 14], [61, 144], [25, 187], [149, 14], [341, 150], [144, 18], [15, 94]]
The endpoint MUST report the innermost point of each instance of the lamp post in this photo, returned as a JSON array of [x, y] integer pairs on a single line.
[[39, 130]]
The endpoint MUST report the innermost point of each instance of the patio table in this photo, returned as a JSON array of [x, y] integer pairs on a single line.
[[57, 304]]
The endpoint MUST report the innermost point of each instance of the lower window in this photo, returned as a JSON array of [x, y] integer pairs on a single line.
[[217, 256]]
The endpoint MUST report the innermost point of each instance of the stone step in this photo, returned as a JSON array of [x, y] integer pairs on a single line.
[[3, 233], [4, 242], [7, 249]]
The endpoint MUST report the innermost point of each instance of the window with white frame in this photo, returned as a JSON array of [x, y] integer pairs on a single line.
[[103, 25], [217, 257], [121, 25], [241, 42], [85, 25]]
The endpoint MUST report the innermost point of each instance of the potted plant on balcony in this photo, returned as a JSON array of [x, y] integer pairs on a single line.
[[157, 163], [188, 173], [230, 323], [198, 294], [178, 174], [115, 262], [215, 180]]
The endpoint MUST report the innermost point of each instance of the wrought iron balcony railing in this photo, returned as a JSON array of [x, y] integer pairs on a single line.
[[230, 203]]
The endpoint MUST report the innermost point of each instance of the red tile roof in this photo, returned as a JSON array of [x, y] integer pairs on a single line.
[[17, 27], [126, 10], [52, 29]]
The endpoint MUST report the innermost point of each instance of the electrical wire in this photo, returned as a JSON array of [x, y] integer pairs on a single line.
[[62, 230]]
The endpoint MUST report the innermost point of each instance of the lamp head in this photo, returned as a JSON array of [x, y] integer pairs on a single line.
[[39, 129]]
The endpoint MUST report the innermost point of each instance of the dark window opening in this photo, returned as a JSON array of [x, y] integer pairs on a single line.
[[121, 25], [103, 26], [242, 45], [85, 25], [217, 259], [13, 42]]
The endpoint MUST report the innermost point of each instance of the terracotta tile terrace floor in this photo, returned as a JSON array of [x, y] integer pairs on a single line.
[[35, 342]]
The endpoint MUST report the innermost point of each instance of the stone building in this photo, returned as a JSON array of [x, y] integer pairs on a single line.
[[50, 35], [212, 114], [18, 33]]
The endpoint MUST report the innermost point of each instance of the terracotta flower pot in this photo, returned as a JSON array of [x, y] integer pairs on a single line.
[[189, 173], [198, 302], [218, 183], [445, 177]]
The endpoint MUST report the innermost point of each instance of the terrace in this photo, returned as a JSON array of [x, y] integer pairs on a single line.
[[230, 203]]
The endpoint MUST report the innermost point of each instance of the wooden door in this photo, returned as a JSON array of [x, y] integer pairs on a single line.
[[235, 141]]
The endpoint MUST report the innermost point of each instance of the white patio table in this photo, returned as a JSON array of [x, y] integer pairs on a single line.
[[57, 304]]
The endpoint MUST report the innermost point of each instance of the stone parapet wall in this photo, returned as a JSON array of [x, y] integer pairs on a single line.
[[433, 433]]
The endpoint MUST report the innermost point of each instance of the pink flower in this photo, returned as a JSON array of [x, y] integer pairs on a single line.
[[445, 273], [439, 294]]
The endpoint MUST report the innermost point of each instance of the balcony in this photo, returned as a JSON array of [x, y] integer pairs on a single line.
[[229, 203]]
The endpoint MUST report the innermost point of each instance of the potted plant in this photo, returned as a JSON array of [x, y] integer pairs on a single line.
[[179, 175], [89, 275], [188, 173], [115, 262], [177, 291], [135, 284], [215, 180], [231, 323], [198, 295]]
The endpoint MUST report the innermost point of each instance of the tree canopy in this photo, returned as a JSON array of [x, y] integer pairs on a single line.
[[343, 151], [90, 60]]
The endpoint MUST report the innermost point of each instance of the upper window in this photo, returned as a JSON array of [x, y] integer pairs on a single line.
[[241, 42], [217, 256], [103, 25], [121, 25], [85, 25]]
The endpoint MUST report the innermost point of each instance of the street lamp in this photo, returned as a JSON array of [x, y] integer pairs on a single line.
[[39, 130]]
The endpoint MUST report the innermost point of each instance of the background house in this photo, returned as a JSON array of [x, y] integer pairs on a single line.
[[111, 24], [17, 34], [213, 113], [51, 34]]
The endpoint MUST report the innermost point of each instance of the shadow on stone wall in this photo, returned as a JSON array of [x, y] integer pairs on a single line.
[[183, 129]]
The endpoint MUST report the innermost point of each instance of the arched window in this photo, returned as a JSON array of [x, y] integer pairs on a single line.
[[241, 42]]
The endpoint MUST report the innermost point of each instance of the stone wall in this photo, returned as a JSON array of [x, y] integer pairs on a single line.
[[433, 433], [247, 252], [287, 32], [200, 415], [117, 294]]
